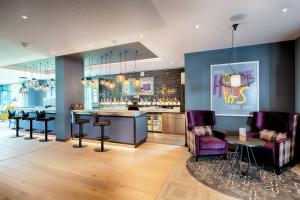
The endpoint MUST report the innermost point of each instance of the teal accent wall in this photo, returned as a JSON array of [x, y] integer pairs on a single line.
[[276, 77]]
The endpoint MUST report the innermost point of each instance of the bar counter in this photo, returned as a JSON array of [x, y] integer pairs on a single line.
[[127, 127]]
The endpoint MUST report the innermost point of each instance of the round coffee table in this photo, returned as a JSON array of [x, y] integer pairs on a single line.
[[235, 162]]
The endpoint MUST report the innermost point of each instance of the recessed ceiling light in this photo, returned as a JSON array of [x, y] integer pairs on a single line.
[[141, 36], [24, 17], [197, 26], [284, 10]]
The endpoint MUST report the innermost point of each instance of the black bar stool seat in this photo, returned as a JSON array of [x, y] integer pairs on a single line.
[[41, 116], [102, 138], [75, 119], [13, 116], [26, 117]]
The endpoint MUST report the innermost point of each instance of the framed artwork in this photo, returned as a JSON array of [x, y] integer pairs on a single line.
[[235, 101], [147, 87]]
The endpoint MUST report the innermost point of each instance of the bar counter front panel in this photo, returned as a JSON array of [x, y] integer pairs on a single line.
[[125, 127]]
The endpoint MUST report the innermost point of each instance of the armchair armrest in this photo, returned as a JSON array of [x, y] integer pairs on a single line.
[[252, 135], [284, 152], [219, 134]]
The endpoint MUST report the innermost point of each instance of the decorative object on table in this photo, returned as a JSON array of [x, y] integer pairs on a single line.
[[235, 86], [204, 144], [281, 152], [242, 134], [210, 172]]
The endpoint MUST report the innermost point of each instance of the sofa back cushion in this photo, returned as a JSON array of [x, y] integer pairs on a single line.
[[203, 130], [271, 136]]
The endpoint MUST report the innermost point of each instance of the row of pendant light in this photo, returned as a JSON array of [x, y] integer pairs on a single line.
[[120, 78], [35, 83]]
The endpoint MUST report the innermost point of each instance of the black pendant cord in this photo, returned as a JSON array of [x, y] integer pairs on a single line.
[[125, 57], [109, 62], [121, 62], [136, 52]]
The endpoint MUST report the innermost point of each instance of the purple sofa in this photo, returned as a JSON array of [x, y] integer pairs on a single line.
[[276, 153], [204, 145]]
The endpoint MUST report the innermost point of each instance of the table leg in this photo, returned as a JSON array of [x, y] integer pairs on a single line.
[[241, 159], [249, 161], [257, 168]]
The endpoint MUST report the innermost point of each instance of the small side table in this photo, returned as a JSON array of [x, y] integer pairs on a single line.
[[235, 163]]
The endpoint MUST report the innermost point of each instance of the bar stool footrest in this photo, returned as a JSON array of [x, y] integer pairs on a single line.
[[43, 131], [82, 135], [104, 138], [43, 140], [34, 129]]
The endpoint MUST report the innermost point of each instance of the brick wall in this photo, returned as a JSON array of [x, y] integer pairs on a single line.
[[168, 78]]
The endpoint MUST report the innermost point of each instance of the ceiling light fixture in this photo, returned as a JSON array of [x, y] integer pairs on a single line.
[[284, 10], [197, 26], [141, 36], [24, 17]]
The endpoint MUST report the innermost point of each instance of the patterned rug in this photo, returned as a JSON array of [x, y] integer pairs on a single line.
[[212, 171]]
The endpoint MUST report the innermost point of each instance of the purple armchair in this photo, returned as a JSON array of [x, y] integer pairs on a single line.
[[276, 153], [204, 145]]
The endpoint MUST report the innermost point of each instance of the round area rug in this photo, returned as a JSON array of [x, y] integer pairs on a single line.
[[211, 171]]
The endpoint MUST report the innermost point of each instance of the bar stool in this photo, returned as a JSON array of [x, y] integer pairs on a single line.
[[13, 116], [102, 124], [75, 119], [41, 116], [25, 116]]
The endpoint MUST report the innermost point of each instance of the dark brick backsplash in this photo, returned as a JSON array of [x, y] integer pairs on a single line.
[[169, 78]]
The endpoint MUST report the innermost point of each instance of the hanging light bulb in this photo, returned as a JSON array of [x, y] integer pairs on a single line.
[[137, 83], [111, 85], [23, 90], [120, 78], [126, 82]]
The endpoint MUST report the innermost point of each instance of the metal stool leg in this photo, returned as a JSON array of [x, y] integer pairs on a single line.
[[17, 127], [79, 145], [102, 137], [30, 132]]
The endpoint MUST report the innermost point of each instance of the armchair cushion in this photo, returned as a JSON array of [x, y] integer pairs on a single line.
[[271, 136], [203, 130], [210, 142]]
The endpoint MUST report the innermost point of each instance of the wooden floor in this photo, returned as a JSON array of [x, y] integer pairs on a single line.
[[163, 138], [55, 170]]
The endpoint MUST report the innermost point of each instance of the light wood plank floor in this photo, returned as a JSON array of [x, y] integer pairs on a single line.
[[163, 138], [55, 170]]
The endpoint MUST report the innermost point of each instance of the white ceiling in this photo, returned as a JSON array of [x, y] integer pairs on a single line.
[[168, 26]]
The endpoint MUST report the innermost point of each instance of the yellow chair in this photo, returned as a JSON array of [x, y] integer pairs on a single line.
[[4, 116]]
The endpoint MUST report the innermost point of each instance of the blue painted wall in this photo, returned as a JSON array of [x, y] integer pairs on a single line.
[[276, 77], [68, 71]]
